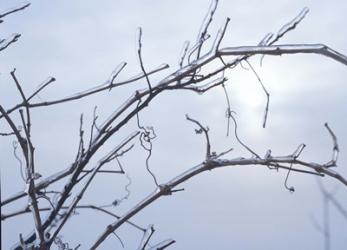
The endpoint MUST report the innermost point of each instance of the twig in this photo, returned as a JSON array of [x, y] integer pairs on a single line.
[[265, 91], [162, 245], [115, 73], [5, 43], [204, 130], [238, 139], [11, 11], [6, 133], [205, 25], [140, 58], [146, 237], [120, 240], [228, 110], [183, 53], [41, 87], [335, 154], [220, 35]]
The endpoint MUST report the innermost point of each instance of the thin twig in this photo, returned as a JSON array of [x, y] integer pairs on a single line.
[[11, 11], [335, 154], [141, 60], [204, 130], [265, 91], [12, 39]]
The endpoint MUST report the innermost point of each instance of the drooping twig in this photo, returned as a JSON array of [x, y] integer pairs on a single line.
[[14, 144], [295, 155], [146, 137], [238, 139], [265, 91], [228, 110], [120, 240]]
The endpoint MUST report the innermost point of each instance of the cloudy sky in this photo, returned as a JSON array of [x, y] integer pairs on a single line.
[[81, 42]]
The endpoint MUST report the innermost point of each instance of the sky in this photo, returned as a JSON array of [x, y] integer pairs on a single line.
[[240, 207]]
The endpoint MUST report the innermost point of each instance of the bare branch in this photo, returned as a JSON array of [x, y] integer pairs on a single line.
[[278, 50]]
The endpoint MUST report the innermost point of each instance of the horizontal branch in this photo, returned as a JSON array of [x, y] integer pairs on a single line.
[[285, 49]]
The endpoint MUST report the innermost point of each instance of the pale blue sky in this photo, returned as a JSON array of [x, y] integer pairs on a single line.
[[81, 42]]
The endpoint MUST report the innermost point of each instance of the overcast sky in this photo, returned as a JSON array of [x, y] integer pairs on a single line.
[[81, 42]]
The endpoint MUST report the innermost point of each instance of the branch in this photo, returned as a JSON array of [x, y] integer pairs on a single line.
[[211, 164]]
